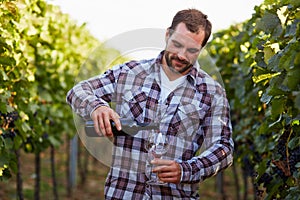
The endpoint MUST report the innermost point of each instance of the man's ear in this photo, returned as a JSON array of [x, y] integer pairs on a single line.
[[167, 35]]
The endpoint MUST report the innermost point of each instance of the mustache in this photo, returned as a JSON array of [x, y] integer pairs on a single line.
[[174, 57]]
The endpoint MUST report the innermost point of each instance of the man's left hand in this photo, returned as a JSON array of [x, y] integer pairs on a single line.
[[167, 170]]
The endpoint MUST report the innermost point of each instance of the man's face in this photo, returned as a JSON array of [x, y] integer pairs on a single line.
[[182, 48]]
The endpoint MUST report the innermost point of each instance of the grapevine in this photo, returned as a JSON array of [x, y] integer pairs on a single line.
[[259, 62], [40, 57]]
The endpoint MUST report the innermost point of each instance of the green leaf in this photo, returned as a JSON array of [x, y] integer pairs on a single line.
[[296, 122], [7, 61], [277, 107], [259, 59], [268, 53], [4, 158], [18, 142], [5, 174], [54, 141], [289, 53], [25, 127], [294, 3], [292, 79], [294, 142], [297, 101], [291, 29], [265, 98], [259, 78], [269, 23], [5, 77]]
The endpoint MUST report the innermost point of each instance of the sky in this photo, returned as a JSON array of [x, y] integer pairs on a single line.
[[106, 19]]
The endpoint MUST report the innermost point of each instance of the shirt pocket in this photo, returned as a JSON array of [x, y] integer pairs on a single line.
[[184, 127], [188, 120], [134, 104]]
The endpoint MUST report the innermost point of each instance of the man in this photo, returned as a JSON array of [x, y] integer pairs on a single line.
[[190, 106]]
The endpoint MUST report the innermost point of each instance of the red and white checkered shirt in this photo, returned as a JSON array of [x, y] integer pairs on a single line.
[[195, 116]]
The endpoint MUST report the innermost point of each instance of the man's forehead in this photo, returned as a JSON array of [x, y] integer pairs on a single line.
[[185, 40], [181, 33]]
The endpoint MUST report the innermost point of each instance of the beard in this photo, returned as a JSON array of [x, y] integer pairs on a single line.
[[173, 57]]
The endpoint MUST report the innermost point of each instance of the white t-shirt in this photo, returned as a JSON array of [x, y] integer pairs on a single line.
[[168, 86]]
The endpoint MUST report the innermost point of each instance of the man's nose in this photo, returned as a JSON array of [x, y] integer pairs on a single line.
[[181, 54]]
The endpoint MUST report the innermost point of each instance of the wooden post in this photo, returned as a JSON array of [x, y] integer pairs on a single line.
[[220, 186], [19, 176], [73, 161]]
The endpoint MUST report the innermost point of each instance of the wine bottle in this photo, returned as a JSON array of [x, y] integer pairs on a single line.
[[129, 127]]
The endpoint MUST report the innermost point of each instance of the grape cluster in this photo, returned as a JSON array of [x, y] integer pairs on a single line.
[[294, 158], [265, 179], [7, 124], [290, 156], [10, 134], [8, 119], [281, 167], [281, 146], [258, 192]]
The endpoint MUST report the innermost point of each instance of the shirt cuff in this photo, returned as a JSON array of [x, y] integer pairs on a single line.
[[186, 170], [95, 106]]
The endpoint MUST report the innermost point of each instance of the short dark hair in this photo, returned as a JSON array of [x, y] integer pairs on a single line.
[[194, 20]]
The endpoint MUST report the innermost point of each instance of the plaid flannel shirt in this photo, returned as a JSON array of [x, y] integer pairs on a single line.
[[195, 116]]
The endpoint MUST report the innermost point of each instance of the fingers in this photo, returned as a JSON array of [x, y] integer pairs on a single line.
[[102, 117], [161, 162], [116, 119], [106, 128], [168, 177], [167, 170]]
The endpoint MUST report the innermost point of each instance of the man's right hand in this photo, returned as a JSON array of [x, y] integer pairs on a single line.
[[102, 117]]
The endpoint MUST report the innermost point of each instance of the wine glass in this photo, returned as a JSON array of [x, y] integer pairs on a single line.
[[157, 145], [149, 143]]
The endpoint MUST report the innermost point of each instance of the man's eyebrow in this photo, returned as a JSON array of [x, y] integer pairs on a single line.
[[190, 49], [176, 41]]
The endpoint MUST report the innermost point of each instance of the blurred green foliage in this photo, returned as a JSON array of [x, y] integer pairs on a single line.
[[42, 52]]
